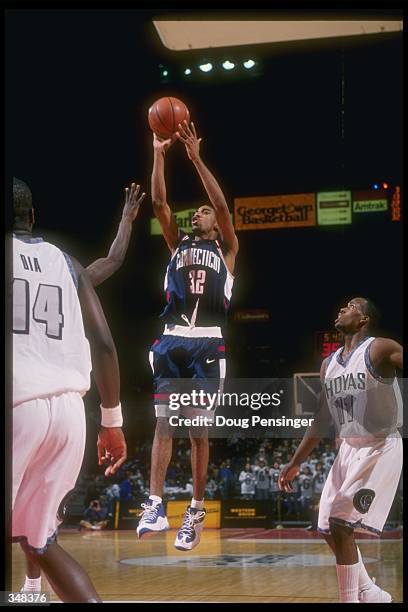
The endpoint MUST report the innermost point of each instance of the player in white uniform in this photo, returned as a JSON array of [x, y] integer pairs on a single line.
[[361, 397], [99, 271], [54, 305]]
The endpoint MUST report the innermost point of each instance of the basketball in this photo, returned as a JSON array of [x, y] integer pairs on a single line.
[[165, 115]]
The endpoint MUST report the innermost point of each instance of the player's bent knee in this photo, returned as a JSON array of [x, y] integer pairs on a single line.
[[339, 532], [199, 435], [27, 549]]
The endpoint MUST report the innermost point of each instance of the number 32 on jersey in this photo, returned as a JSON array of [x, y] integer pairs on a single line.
[[197, 281]]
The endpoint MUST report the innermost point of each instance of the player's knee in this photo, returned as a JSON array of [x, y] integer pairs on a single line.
[[30, 552], [199, 436], [163, 428], [340, 532]]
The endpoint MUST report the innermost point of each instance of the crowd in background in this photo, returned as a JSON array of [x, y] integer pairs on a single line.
[[246, 469]]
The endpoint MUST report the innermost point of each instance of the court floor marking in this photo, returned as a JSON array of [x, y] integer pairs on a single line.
[[298, 541], [177, 601]]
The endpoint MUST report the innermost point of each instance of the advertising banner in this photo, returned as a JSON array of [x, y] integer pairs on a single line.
[[334, 208], [273, 212], [246, 513]]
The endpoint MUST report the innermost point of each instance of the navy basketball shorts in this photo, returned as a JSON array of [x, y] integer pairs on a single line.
[[183, 365]]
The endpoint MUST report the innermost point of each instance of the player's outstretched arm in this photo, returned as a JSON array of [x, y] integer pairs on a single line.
[[111, 442], [188, 136], [103, 268], [314, 433], [159, 197]]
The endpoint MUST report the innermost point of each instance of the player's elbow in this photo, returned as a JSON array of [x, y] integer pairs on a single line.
[[115, 262], [220, 206], [158, 202], [398, 360], [102, 344]]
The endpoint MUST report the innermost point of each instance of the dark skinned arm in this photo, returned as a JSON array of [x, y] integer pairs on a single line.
[[161, 208], [382, 416], [314, 433], [189, 138], [105, 367], [386, 355], [103, 268]]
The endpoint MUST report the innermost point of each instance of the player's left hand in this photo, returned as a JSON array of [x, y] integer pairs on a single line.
[[111, 449], [132, 202], [188, 137]]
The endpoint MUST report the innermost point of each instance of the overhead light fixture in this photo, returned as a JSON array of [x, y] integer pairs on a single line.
[[187, 71], [227, 65], [205, 67], [249, 64]]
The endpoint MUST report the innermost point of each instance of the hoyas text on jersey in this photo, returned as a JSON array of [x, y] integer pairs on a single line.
[[345, 382]]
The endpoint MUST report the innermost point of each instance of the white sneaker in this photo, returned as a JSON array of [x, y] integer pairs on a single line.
[[188, 536], [374, 595], [23, 590], [153, 518]]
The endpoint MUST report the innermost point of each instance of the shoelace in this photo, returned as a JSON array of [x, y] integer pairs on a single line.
[[149, 512], [187, 527]]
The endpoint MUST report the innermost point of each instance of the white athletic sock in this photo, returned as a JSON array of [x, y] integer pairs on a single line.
[[364, 580], [156, 498], [195, 503], [32, 584], [347, 576]]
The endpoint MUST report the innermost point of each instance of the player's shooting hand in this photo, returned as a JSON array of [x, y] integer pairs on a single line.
[[289, 472], [132, 202], [160, 145], [112, 449], [188, 137]]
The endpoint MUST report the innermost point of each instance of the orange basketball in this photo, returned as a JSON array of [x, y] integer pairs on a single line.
[[165, 115]]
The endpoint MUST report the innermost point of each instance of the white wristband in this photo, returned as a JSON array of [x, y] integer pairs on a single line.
[[112, 417]]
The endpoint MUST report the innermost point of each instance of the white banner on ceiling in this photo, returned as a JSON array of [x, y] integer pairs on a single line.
[[184, 34]]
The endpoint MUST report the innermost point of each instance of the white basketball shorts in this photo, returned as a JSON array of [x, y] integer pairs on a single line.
[[48, 449], [361, 485]]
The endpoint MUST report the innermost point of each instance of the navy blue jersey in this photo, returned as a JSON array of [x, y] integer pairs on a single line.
[[198, 284]]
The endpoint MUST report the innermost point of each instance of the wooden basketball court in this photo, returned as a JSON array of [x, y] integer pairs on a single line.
[[229, 565]]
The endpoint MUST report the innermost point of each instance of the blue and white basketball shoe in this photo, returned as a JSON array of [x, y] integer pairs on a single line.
[[188, 536], [153, 518]]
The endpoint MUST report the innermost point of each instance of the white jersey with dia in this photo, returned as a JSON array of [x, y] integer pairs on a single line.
[[355, 393], [51, 354]]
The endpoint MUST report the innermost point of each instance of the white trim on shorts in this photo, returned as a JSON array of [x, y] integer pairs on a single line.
[[192, 332]]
